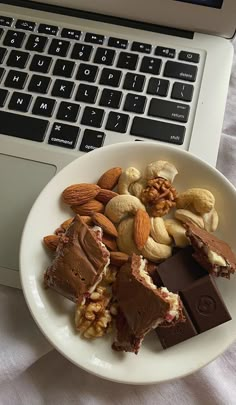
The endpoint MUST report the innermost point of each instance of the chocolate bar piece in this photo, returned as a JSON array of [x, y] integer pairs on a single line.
[[126, 340]]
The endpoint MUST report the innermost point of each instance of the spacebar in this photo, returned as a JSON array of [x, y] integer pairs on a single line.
[[23, 126], [158, 130]]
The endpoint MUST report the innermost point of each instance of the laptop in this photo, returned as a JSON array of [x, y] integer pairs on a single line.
[[81, 74]]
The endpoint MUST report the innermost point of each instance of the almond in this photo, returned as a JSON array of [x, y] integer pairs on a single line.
[[78, 194], [109, 242], [118, 258], [51, 241], [110, 178], [65, 225], [142, 228], [105, 195], [87, 219], [105, 223], [89, 208]]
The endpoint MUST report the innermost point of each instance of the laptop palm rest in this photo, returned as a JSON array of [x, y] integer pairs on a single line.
[[21, 181]]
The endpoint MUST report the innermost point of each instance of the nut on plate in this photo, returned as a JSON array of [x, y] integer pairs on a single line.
[[51, 242], [78, 194], [105, 195], [122, 206], [110, 178], [161, 168], [88, 208], [159, 196], [104, 223], [142, 227], [178, 232], [127, 177], [187, 215], [200, 199]]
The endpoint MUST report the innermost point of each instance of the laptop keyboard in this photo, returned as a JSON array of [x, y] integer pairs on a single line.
[[72, 89]]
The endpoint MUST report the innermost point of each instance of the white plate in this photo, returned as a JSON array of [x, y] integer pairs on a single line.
[[54, 314]]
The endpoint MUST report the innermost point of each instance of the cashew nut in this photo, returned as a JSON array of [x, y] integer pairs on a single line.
[[201, 199], [125, 240], [137, 187], [159, 232], [177, 231], [211, 220], [127, 177], [186, 215], [121, 206], [161, 168], [156, 251]]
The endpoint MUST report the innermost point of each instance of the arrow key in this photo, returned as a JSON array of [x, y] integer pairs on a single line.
[[68, 111]]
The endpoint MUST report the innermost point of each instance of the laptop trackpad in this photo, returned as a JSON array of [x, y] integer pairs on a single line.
[[21, 180]]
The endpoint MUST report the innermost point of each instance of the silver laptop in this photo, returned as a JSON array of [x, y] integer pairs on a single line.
[[80, 74]]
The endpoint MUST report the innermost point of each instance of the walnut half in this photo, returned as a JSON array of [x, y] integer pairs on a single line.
[[159, 196]]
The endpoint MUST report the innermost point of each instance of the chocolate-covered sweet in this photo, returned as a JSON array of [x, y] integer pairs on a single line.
[[126, 340], [79, 262]]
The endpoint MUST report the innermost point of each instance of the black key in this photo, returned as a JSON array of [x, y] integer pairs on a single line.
[[93, 117], [22, 126], [64, 135], [158, 87], [182, 71], [18, 59], [44, 106], [151, 65], [39, 84], [189, 56], [87, 93], [104, 56], [1, 31], [87, 72], [92, 140], [63, 68], [110, 77], [62, 88], [20, 102], [40, 63], [135, 103], [81, 52], [110, 98], [118, 43], [94, 38], [134, 82], [16, 79], [36, 43], [182, 91], [6, 21], [59, 47], [14, 38], [68, 111], [3, 52], [2, 71], [117, 122], [158, 130], [25, 25], [48, 29], [163, 51], [127, 60], [3, 96], [141, 47], [169, 110], [70, 34]]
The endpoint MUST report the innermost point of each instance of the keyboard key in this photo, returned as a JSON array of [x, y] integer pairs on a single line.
[[134, 82], [87, 93], [167, 52], [81, 52], [44, 106], [70, 34], [151, 65], [110, 77], [110, 98], [92, 140], [94, 38], [3, 53], [127, 60], [12, 124], [104, 56], [169, 110], [68, 112], [25, 25], [141, 47], [20, 102], [6, 21], [93, 117], [18, 59], [182, 71], [117, 122], [189, 56], [182, 91], [63, 68], [3, 97], [158, 130], [48, 29], [14, 38], [135, 103], [16, 79], [158, 87], [64, 135], [39, 84], [36, 43], [87, 72], [59, 47], [118, 43], [2, 71], [40, 64], [1, 31], [62, 88]]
